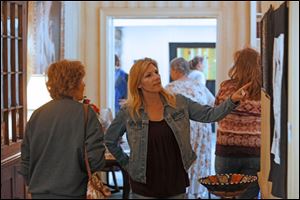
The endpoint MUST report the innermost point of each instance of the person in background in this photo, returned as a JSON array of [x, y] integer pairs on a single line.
[[52, 152], [121, 79], [238, 134], [157, 127], [197, 67], [201, 133]]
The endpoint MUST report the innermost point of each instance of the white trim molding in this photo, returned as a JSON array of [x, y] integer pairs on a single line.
[[107, 39]]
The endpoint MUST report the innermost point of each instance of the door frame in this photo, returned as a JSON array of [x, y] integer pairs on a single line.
[[107, 15]]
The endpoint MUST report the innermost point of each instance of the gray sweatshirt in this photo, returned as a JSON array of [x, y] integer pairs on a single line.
[[52, 152]]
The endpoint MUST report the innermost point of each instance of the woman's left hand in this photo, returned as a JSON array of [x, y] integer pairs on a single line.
[[240, 93]]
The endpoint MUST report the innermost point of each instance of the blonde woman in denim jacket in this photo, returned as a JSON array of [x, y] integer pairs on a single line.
[[157, 127]]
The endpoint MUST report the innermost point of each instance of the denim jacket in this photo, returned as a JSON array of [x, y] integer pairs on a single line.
[[178, 120]]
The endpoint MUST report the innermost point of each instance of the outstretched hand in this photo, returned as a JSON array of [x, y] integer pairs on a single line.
[[240, 93]]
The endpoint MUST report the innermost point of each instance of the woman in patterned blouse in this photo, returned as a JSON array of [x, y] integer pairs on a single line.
[[238, 134]]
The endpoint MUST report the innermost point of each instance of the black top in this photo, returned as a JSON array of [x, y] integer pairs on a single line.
[[165, 174]]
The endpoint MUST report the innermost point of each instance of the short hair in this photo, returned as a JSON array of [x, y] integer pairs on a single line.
[[195, 61], [181, 65], [64, 77]]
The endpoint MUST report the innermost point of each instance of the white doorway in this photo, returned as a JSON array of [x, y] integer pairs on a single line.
[[165, 39], [107, 38]]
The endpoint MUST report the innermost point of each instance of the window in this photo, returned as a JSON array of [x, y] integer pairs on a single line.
[[13, 75]]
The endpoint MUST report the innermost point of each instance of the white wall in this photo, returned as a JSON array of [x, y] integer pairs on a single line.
[[139, 42], [234, 23]]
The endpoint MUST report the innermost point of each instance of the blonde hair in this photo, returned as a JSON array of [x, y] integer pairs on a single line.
[[135, 96], [64, 78], [247, 68]]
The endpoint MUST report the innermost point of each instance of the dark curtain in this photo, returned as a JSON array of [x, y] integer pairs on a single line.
[[267, 36], [274, 23], [278, 173]]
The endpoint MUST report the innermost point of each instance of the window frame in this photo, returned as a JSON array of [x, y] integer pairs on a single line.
[[13, 76]]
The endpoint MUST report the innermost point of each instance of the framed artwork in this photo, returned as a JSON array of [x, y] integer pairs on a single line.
[[189, 50], [45, 35]]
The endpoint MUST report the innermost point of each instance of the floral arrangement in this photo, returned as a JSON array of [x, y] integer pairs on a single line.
[[104, 115], [93, 106]]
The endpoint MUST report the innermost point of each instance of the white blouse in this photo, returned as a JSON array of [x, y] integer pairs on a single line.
[[197, 76]]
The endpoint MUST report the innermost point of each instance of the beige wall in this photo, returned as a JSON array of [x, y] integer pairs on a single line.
[[293, 101], [265, 5], [235, 25]]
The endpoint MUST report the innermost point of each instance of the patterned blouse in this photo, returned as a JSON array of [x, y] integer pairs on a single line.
[[238, 134]]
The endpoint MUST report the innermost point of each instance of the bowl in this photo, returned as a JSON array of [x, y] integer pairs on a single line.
[[227, 185]]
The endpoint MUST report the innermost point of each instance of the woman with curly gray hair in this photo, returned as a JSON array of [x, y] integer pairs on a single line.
[[52, 152]]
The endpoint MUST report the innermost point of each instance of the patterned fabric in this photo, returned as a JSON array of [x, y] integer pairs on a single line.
[[96, 189], [197, 76], [238, 134], [200, 134]]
